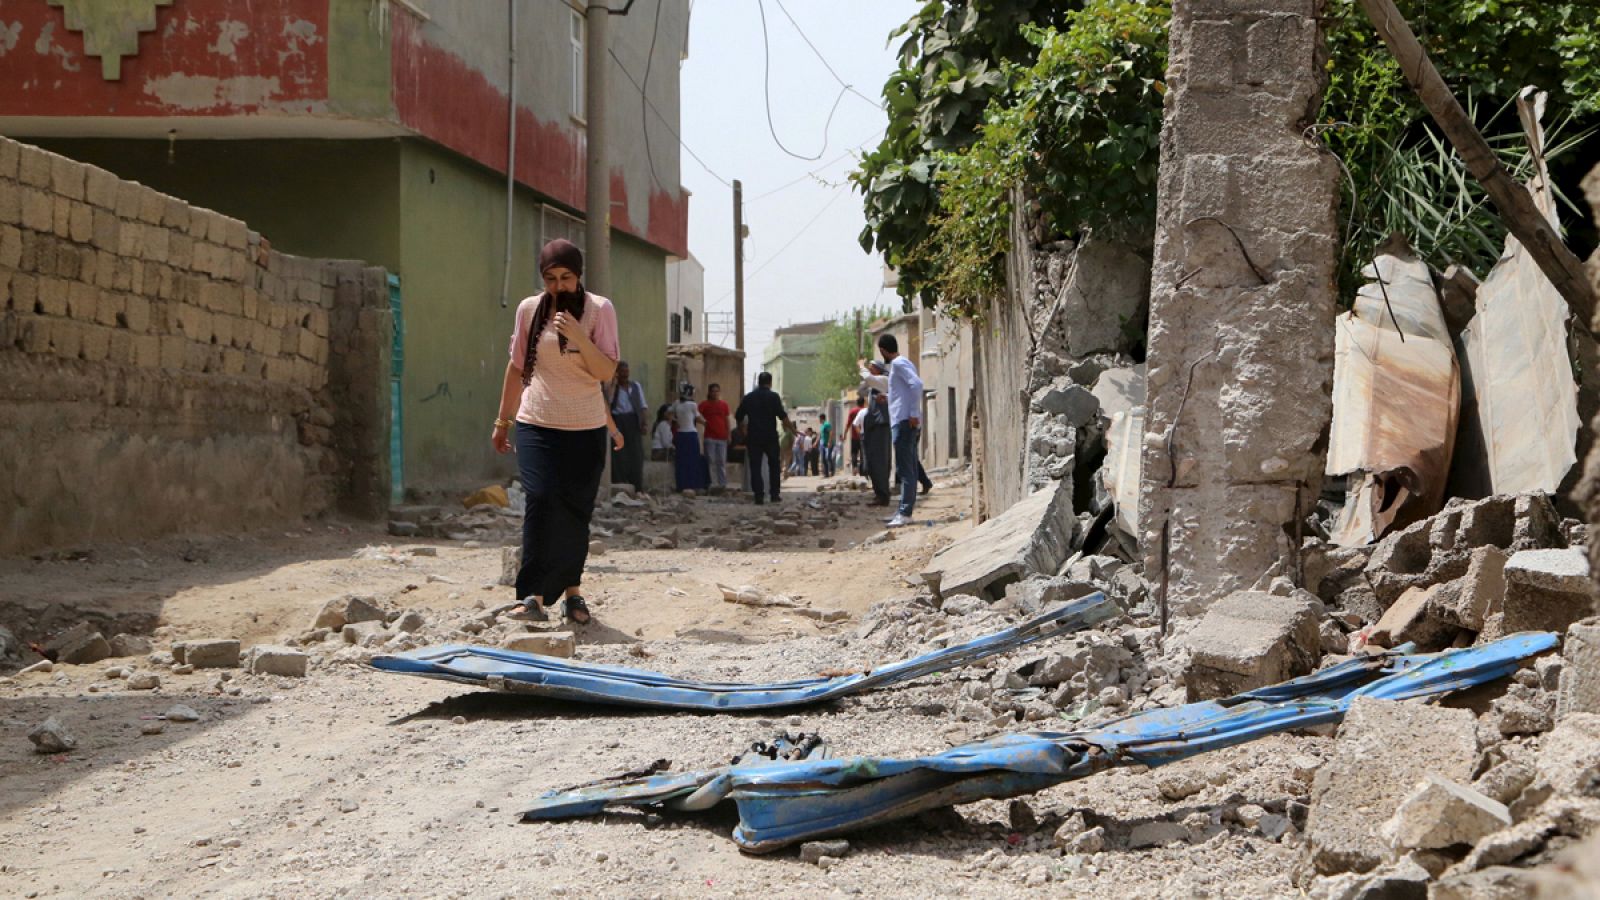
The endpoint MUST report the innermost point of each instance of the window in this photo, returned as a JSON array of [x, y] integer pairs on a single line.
[[553, 223], [688, 321], [579, 28], [676, 329]]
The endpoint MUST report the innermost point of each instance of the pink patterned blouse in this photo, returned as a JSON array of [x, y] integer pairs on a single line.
[[562, 394]]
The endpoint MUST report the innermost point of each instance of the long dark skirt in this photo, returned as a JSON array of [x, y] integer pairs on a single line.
[[627, 464], [876, 456], [691, 468], [561, 475]]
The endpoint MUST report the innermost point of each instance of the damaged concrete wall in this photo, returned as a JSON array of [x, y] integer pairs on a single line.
[[162, 369], [1242, 303]]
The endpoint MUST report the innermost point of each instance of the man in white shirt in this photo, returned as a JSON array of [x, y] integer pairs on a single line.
[[905, 422]]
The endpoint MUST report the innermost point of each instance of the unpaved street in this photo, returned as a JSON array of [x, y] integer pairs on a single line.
[[354, 783]]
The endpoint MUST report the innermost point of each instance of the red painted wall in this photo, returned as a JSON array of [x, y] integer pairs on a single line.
[[204, 58], [441, 97]]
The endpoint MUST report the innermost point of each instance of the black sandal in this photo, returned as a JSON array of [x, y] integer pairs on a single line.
[[578, 611]]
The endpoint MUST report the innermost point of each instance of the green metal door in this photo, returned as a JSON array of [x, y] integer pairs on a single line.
[[396, 369]]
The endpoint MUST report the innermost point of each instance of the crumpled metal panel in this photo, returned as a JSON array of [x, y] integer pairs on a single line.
[[566, 679], [1516, 356], [785, 802], [1396, 397]]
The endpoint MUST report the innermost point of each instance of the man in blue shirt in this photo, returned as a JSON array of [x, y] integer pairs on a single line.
[[905, 422]]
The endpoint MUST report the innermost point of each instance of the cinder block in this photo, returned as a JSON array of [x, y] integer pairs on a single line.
[[83, 301], [38, 210], [96, 343], [33, 166], [172, 351], [1580, 671], [151, 206], [9, 152], [66, 338], [110, 308], [147, 351], [10, 247], [10, 202], [1250, 639], [52, 296], [60, 216], [100, 187], [1547, 590], [66, 177], [136, 312]]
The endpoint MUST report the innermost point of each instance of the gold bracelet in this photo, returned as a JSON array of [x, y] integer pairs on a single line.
[[502, 423]]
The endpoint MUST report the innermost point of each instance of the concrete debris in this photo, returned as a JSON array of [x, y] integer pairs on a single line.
[[1579, 686], [548, 643], [814, 851], [1547, 590], [408, 621], [1498, 883], [143, 681], [510, 565], [1036, 593], [1249, 640], [342, 611], [181, 713], [750, 595], [1383, 749], [50, 736], [1569, 756], [212, 653], [79, 645], [42, 666], [266, 659], [363, 634], [1522, 710], [130, 645], [1035, 535], [1440, 813]]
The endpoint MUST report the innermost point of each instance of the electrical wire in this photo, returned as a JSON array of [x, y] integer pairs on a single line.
[[814, 174], [644, 97], [671, 130], [824, 60], [779, 252], [766, 90]]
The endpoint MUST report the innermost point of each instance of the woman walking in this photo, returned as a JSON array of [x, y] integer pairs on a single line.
[[563, 348], [690, 465]]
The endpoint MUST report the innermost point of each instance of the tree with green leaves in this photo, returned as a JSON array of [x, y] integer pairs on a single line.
[[839, 360]]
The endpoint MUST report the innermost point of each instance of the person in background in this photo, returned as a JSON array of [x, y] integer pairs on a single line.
[[690, 465], [758, 415], [853, 426], [786, 446], [813, 452], [563, 349], [876, 448], [629, 412], [714, 410], [828, 449], [905, 417], [661, 439]]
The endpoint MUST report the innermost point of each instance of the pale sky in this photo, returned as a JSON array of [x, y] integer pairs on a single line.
[[824, 270]]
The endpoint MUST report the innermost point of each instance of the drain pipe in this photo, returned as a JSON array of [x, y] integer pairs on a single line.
[[511, 150]]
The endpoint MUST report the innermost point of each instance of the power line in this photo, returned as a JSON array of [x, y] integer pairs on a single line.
[[823, 59], [813, 174], [787, 244], [673, 131], [644, 96], [766, 90]]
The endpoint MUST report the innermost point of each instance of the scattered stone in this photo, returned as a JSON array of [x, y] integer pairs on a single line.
[[214, 653], [1021, 816], [812, 851], [1496, 883], [823, 615], [1440, 813], [183, 669], [1179, 785], [1157, 834], [348, 806], [79, 645], [404, 529], [266, 659], [154, 726], [118, 672], [342, 611], [181, 713], [1506, 780], [1469, 600], [1547, 590], [510, 565], [1093, 840], [1273, 826], [1250, 639], [1033, 536], [42, 666], [1579, 687], [363, 633], [825, 543], [549, 643], [409, 622], [144, 681], [1519, 713], [1414, 618], [1077, 405], [597, 548], [130, 645], [492, 495], [50, 736], [1384, 748], [1569, 756]]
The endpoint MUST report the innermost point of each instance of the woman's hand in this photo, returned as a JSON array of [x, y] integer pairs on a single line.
[[501, 439], [616, 438], [570, 328]]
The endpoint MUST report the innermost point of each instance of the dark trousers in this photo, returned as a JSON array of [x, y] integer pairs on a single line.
[[922, 476], [761, 455], [627, 464], [812, 460], [855, 454], [875, 455], [561, 475], [906, 436]]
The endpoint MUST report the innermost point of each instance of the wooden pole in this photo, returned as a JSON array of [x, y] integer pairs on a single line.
[[1516, 206]]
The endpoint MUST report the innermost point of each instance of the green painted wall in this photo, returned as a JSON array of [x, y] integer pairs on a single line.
[[793, 359], [331, 199], [359, 70], [457, 334]]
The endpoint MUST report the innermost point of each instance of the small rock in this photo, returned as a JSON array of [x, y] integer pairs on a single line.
[[549, 643], [597, 548], [458, 720], [1021, 817], [813, 851], [1440, 813], [181, 713], [50, 736], [152, 727], [1273, 826], [144, 681], [1157, 834], [210, 653], [183, 669], [348, 806], [130, 645], [43, 665], [79, 645], [1094, 840], [409, 622], [350, 608], [1179, 785], [266, 659]]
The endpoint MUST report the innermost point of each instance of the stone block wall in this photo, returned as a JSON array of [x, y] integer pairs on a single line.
[[163, 370], [1242, 299]]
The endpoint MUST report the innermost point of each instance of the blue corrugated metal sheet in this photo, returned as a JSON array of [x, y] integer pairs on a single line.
[[781, 803], [565, 679]]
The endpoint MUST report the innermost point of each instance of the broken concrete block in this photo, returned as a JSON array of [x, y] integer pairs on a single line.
[[79, 645], [1037, 593], [130, 645], [408, 622], [1440, 813], [510, 565], [1076, 405], [1494, 883], [1383, 749], [549, 643], [1579, 690], [207, 654], [1034, 536], [266, 659], [50, 736], [1439, 549], [1547, 590], [1569, 756], [1469, 600], [143, 681], [359, 633], [811, 851], [1414, 617], [1251, 639], [341, 611]]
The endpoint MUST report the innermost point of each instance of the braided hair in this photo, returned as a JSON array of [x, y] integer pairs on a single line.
[[548, 304]]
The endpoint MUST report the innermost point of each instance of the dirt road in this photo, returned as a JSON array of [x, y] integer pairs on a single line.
[[355, 784]]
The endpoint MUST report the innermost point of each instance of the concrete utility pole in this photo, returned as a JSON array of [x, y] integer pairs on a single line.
[[597, 200], [738, 265]]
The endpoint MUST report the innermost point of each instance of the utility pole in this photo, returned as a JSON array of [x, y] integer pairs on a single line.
[[597, 200], [859, 354], [738, 264]]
